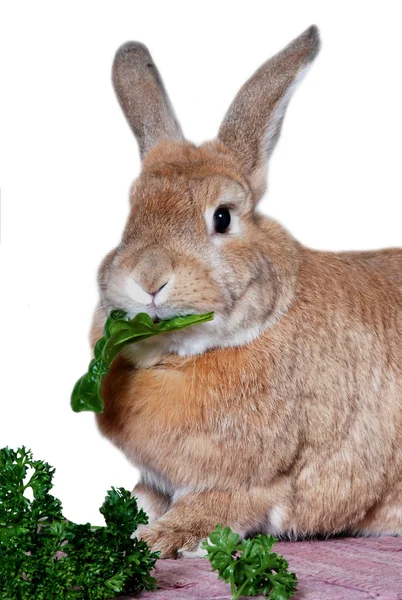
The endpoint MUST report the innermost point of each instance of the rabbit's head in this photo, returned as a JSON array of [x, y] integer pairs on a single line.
[[193, 241]]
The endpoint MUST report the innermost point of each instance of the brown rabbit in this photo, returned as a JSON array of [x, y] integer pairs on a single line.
[[283, 414]]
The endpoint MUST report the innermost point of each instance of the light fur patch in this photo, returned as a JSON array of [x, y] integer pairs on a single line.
[[136, 292], [276, 517], [157, 481], [144, 503], [214, 334]]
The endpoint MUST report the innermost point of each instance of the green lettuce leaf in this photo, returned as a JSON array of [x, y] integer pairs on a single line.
[[119, 332]]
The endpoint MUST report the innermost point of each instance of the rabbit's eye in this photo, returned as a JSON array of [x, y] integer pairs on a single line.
[[221, 219]]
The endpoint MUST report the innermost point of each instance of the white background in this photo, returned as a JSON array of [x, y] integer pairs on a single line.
[[67, 158]]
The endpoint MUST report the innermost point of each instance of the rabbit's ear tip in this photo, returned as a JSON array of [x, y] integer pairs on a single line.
[[312, 38], [142, 96], [132, 50], [313, 32]]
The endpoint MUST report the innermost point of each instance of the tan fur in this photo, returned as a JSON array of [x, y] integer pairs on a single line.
[[135, 75], [295, 429]]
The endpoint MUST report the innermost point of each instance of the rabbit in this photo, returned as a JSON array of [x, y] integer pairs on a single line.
[[283, 415]]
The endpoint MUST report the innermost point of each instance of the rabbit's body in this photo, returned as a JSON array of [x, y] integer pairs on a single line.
[[284, 414], [304, 423], [387, 262]]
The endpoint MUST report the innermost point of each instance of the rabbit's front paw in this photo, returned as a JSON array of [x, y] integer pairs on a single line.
[[169, 541], [145, 354]]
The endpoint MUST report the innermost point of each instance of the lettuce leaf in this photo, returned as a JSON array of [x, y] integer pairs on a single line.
[[119, 332]]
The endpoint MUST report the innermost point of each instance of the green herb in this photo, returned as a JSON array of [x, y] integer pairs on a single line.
[[119, 332], [46, 557], [249, 565]]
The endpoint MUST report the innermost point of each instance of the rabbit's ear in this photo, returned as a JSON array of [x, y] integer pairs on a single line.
[[253, 122], [143, 98]]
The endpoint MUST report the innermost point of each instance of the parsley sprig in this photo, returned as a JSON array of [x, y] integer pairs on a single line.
[[44, 556], [249, 565]]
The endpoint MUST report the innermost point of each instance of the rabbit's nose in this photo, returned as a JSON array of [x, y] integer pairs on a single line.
[[155, 291], [153, 270], [161, 288]]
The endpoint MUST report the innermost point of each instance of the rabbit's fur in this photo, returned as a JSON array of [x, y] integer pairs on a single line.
[[284, 414]]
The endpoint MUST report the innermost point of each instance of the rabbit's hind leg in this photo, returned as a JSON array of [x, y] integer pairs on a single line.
[[385, 518]]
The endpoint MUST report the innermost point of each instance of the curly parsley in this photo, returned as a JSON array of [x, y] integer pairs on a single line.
[[249, 565], [44, 556]]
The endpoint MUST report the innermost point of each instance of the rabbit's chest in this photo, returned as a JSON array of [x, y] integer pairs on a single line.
[[152, 414]]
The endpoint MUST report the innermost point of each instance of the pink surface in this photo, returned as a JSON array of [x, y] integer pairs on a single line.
[[337, 569]]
